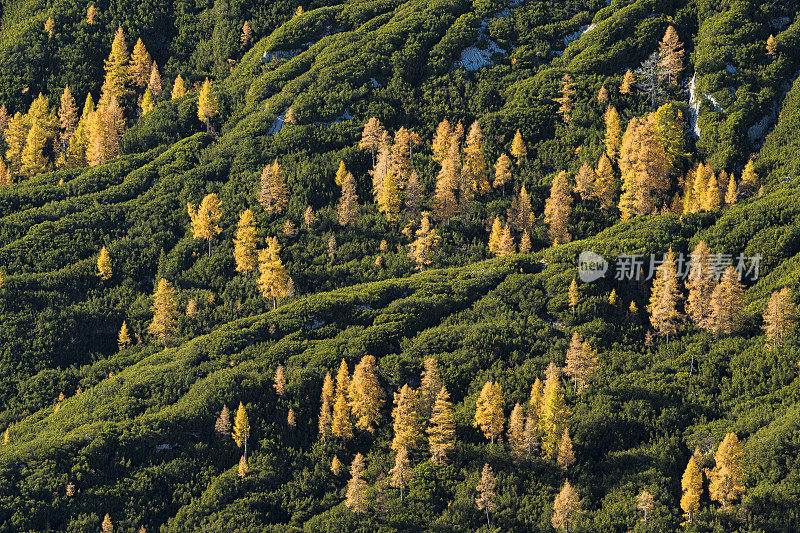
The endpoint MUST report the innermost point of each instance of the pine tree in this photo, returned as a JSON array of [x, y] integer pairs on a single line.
[[243, 469], [727, 303], [567, 99], [371, 137], [665, 298], [241, 429], [441, 141], [429, 387], [486, 495], [223, 424], [107, 526], [727, 478], [207, 104], [557, 209], [348, 204], [605, 186], [67, 115], [627, 82], [502, 172], [516, 434], [692, 486], [553, 413], [779, 316], [357, 487], [365, 395], [670, 53], [116, 67], [279, 381], [124, 337], [407, 419], [274, 279], [566, 508], [701, 286], [342, 425], [247, 34], [104, 268], [244, 244], [426, 242], [489, 411], [205, 219], [178, 88], [401, 473], [139, 68], [771, 47], [442, 428], [165, 312], [566, 455], [154, 81], [518, 149], [645, 503]]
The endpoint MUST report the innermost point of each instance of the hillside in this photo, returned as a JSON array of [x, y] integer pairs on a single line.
[[404, 191]]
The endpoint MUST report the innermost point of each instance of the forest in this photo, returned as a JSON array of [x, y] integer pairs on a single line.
[[325, 267]]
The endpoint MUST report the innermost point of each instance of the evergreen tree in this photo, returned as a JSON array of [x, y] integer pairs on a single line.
[[701, 286], [104, 268], [165, 312], [279, 381], [207, 104], [407, 419], [442, 428], [205, 219], [154, 82], [429, 387], [566, 508], [489, 411], [223, 424], [241, 429], [779, 316], [274, 279], [342, 425], [727, 303], [365, 395], [124, 338], [665, 298], [140, 65], [244, 244], [692, 486], [670, 53], [357, 488], [518, 149], [557, 209], [516, 434], [401, 472], [178, 88], [486, 495], [726, 482], [566, 455], [502, 172]]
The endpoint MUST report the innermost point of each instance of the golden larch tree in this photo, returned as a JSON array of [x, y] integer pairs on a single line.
[[518, 149], [442, 428], [148, 104], [273, 192], [401, 472], [474, 160], [602, 95], [779, 316], [429, 387], [701, 285], [348, 204], [279, 381], [273, 281], [644, 166], [516, 434], [91, 13], [574, 296], [613, 134], [726, 480], [241, 429], [365, 395], [107, 526], [506, 246], [154, 82], [670, 53], [605, 185], [566, 508], [748, 184], [116, 67], [34, 160], [413, 194], [222, 426], [407, 419], [342, 425], [165, 312], [770, 46], [552, 414], [566, 101], [104, 267], [356, 498], [645, 503], [486, 492], [495, 236], [489, 415], [557, 209], [422, 248], [692, 487], [124, 337], [243, 469], [447, 183], [207, 104], [371, 137], [67, 115], [139, 68], [247, 34], [178, 88], [732, 192], [533, 434], [441, 141], [665, 299], [502, 172], [585, 181], [627, 82], [244, 244], [15, 136], [727, 303], [205, 219], [566, 454]]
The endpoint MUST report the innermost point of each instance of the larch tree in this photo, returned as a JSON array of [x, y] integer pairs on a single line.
[[525, 244], [205, 219], [371, 137], [241, 429], [442, 428], [413, 194], [665, 298], [107, 526], [516, 434], [401, 472], [770, 45], [273, 192], [243, 469], [15, 136], [400, 158], [348, 204], [104, 266], [124, 337], [247, 34], [628, 80], [342, 425], [732, 192], [605, 185], [441, 141], [495, 236], [585, 181], [645, 503], [566, 101], [429, 387], [447, 183], [727, 303], [34, 160], [670, 125], [75, 155], [701, 285], [726, 483], [147, 103], [645, 168], [67, 116], [670, 53], [648, 78], [325, 420], [165, 312], [389, 197], [558, 208], [154, 82], [574, 296], [178, 87], [140, 65], [273, 281], [356, 498], [602, 95], [566, 454], [5, 174], [692, 488], [524, 216], [748, 184], [222, 426], [475, 161], [244, 244], [424, 245], [533, 434], [502, 172], [91, 13], [518, 149], [506, 246], [382, 163], [486, 492], [279, 381], [489, 415], [581, 364], [365, 395], [407, 419], [207, 104], [566, 508], [553, 413], [780, 316], [116, 67]]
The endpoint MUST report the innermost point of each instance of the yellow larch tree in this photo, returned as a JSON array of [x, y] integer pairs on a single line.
[[447, 183], [104, 268], [574, 295], [670, 52], [506, 246], [748, 184], [516, 434], [665, 298], [154, 81], [558, 208], [644, 166], [116, 67], [726, 480], [422, 248], [701, 285], [567, 99], [241, 429], [205, 219], [566, 454], [553, 413], [279, 381], [770, 45], [371, 137], [273, 192], [75, 156], [247, 33], [348, 203], [139, 68], [585, 181], [602, 95], [566, 508], [780, 316], [732, 192], [442, 428], [91, 13], [727, 303], [148, 103], [502, 172], [495, 236], [274, 280], [178, 88], [429, 387], [244, 244], [222, 426], [407, 420], [441, 141], [124, 337], [692, 487], [489, 415], [518, 149], [356, 498], [486, 492], [605, 186], [475, 161], [67, 116], [207, 104], [613, 133], [342, 425], [400, 474], [165, 312], [365, 395], [34, 160], [627, 82]]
